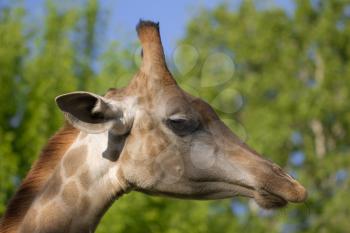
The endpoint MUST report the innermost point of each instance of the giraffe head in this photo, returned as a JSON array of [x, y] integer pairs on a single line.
[[164, 141]]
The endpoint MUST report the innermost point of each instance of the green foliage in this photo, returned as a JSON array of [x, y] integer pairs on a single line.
[[12, 50], [288, 87]]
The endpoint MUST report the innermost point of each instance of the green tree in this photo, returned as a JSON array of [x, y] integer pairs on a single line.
[[12, 51]]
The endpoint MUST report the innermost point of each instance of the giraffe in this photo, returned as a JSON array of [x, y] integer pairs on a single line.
[[150, 137]]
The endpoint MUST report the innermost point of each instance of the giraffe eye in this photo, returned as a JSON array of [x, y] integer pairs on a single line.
[[182, 126]]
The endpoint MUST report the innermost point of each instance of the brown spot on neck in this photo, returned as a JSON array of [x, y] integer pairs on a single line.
[[70, 194], [74, 159], [54, 219], [37, 177], [85, 179], [52, 188], [84, 205]]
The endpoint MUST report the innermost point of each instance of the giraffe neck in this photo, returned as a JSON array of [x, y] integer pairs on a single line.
[[82, 187]]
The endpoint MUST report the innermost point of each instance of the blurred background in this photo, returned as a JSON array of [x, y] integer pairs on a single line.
[[277, 72]]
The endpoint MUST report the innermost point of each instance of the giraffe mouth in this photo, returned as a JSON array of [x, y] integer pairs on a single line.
[[264, 198], [269, 200], [265, 195]]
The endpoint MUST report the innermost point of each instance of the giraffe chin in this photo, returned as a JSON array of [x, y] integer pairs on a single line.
[[269, 200], [264, 199]]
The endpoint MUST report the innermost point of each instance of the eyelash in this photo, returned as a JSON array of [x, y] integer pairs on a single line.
[[182, 127]]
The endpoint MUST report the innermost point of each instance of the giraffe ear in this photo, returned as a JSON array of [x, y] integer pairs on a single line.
[[90, 112]]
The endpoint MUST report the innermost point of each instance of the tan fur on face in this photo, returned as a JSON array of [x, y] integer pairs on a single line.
[[156, 143]]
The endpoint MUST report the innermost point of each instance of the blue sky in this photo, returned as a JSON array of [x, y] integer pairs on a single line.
[[173, 16]]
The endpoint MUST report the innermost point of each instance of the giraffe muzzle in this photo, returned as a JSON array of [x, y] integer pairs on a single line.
[[275, 188]]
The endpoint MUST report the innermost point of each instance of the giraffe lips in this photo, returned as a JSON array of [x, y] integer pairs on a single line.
[[263, 198], [271, 186], [269, 199]]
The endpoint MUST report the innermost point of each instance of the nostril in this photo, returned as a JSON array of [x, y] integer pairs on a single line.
[[277, 169]]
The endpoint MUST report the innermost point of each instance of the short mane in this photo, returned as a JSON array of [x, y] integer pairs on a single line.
[[37, 177]]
